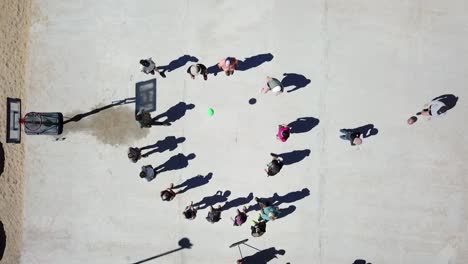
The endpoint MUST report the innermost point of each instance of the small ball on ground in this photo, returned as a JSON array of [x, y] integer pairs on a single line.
[[210, 111]]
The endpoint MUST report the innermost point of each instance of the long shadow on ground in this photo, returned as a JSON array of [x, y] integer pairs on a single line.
[[264, 256], [169, 143], [295, 156], [194, 182], [177, 63], [254, 61], [208, 201], [297, 81], [303, 124], [246, 64], [238, 202], [277, 200], [184, 243], [176, 162], [174, 113]]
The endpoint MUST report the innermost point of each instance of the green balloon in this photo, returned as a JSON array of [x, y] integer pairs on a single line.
[[210, 111]]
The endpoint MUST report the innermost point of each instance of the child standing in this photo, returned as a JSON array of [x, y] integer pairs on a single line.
[[149, 67], [228, 65], [283, 133]]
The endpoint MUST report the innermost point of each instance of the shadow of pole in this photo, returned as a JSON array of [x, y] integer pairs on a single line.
[[78, 117], [184, 243], [262, 256]]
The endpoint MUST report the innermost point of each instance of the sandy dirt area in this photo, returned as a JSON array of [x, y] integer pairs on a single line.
[[14, 27]]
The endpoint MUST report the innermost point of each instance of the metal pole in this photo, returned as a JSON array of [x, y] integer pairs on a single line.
[[240, 252]]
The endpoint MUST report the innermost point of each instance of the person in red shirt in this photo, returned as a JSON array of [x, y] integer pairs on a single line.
[[228, 65], [198, 69]]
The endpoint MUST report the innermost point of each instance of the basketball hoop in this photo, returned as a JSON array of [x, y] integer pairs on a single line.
[[32, 121], [43, 123]]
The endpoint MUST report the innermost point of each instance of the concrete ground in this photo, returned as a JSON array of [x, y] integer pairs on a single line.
[[401, 197]]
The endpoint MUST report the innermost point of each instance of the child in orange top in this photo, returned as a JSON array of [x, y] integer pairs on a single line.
[[228, 65]]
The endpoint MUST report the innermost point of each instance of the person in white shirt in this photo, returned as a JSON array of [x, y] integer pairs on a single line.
[[148, 66], [435, 108]]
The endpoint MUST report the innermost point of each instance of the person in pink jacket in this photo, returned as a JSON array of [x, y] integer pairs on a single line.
[[228, 65], [283, 133]]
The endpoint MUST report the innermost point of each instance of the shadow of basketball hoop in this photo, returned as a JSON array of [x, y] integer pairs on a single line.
[[114, 126], [261, 256], [184, 243]]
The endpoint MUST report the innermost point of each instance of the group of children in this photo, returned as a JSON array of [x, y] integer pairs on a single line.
[[268, 212]]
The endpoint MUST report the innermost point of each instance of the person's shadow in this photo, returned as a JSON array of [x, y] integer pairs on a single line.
[[286, 211], [277, 200], [366, 131], [176, 162], [184, 243], [264, 256], [293, 79], [295, 156], [174, 113], [177, 63], [291, 197], [449, 100], [169, 143], [238, 202], [214, 69], [208, 201], [361, 261], [254, 61], [246, 64], [303, 124], [194, 182]]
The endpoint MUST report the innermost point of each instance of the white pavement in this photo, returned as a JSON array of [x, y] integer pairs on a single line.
[[401, 197]]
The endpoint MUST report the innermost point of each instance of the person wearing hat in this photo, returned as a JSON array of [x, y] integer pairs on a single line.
[[273, 85], [198, 69], [228, 65]]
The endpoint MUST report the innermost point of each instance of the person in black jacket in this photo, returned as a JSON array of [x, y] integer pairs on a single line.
[[353, 136], [198, 69], [145, 120], [258, 228], [275, 165], [214, 215]]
